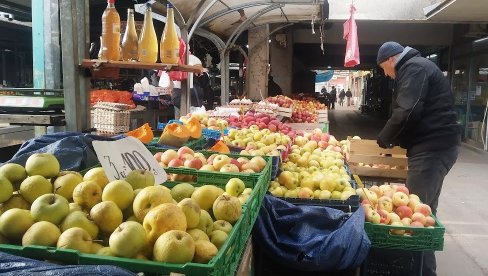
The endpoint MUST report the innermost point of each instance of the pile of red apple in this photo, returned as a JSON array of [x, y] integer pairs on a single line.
[[303, 116], [186, 157], [262, 121], [394, 205], [308, 104], [280, 100]]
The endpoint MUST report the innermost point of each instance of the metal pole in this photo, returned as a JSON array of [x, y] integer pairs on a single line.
[[197, 21]]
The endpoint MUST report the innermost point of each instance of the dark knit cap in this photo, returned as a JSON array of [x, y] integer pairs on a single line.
[[388, 49]]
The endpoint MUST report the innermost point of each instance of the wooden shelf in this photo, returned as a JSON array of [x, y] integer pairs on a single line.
[[100, 64]]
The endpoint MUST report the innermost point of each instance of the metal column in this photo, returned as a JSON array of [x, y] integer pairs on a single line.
[[74, 19]]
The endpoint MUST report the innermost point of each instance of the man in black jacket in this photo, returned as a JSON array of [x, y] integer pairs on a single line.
[[423, 121]]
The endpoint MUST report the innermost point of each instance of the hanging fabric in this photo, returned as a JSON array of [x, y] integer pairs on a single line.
[[351, 35]]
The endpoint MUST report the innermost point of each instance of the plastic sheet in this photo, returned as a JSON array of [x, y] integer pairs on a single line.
[[74, 150], [19, 266], [311, 238]]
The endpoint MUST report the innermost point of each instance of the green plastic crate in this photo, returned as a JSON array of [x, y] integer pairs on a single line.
[[421, 238], [194, 144]]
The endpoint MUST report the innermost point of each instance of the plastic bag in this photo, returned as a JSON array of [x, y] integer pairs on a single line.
[[311, 238], [351, 35], [178, 75], [198, 110]]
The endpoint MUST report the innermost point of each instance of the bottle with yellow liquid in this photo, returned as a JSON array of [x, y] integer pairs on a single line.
[[148, 42], [110, 32], [170, 45], [129, 42]]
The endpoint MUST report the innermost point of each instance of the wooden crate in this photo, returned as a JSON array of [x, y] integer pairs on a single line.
[[306, 127], [284, 112], [368, 152]]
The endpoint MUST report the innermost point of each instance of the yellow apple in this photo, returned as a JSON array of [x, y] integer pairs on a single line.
[[163, 218], [120, 192], [174, 246], [75, 238], [14, 223], [98, 175], [42, 233], [87, 194], [148, 198], [128, 239], [107, 216]]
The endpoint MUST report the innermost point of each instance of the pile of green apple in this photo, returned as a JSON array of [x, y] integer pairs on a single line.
[[187, 158], [313, 172], [131, 218], [394, 205], [257, 142]]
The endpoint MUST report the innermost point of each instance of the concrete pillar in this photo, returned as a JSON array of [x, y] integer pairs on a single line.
[[281, 60], [257, 66]]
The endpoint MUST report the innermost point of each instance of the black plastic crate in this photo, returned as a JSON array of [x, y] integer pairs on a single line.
[[392, 262]]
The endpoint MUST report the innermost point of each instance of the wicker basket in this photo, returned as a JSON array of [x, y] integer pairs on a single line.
[[111, 118]]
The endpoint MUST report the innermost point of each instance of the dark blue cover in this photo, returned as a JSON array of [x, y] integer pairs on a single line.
[[11, 265], [311, 238], [74, 150]]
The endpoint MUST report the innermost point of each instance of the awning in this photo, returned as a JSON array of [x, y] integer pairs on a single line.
[[458, 11]]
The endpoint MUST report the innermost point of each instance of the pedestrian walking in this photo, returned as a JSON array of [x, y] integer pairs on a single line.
[[342, 95], [332, 98], [348, 95]]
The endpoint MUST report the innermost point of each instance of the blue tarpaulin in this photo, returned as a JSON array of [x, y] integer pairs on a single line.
[[311, 238], [324, 76], [74, 150]]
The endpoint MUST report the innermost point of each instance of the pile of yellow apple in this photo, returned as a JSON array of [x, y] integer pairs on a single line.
[[131, 218], [257, 142], [313, 172], [394, 205], [206, 121]]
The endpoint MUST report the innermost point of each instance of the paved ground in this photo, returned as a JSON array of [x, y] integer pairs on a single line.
[[462, 206]]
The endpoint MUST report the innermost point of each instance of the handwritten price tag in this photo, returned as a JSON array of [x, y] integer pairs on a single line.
[[120, 157]]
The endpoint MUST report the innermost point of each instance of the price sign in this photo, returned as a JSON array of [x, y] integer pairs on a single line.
[[119, 158]]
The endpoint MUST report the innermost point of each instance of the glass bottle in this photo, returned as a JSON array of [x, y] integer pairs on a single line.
[[170, 45], [129, 42], [110, 32], [148, 42]]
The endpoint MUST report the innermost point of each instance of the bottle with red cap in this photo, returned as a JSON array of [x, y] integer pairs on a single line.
[[110, 32]]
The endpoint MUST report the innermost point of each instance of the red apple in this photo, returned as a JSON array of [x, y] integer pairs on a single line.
[[417, 224], [193, 163], [184, 150], [237, 163], [429, 221], [424, 209], [419, 217], [175, 163], [385, 218], [157, 156], [404, 212], [402, 188]]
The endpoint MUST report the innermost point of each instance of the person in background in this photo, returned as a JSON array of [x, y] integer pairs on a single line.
[[341, 97], [208, 94], [332, 98], [196, 92], [348, 95], [323, 90], [423, 121], [273, 88]]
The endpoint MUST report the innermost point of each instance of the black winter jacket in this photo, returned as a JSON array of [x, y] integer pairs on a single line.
[[423, 116]]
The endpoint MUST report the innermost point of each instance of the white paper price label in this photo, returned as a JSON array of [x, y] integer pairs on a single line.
[[119, 158]]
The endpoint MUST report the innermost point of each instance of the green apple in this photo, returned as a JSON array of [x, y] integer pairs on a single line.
[[174, 246], [42, 233], [235, 187], [15, 201], [107, 216], [325, 194], [87, 194], [220, 160], [191, 210], [197, 234], [66, 182], [182, 190], [14, 223], [128, 239], [120, 192], [148, 198], [222, 225], [163, 218], [139, 179], [50, 207], [206, 223], [105, 251], [227, 208], [98, 175], [74, 207], [6, 189], [80, 219], [35, 186], [204, 251], [336, 195], [218, 238], [44, 164], [15, 173], [75, 238], [206, 195]]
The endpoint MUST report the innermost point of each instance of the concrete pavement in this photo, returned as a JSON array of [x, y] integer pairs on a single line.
[[463, 202]]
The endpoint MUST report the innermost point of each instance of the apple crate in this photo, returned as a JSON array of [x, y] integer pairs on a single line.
[[284, 111], [419, 239], [368, 152], [194, 144], [224, 263]]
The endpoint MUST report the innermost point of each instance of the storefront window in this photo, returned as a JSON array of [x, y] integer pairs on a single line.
[[478, 100], [460, 89]]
